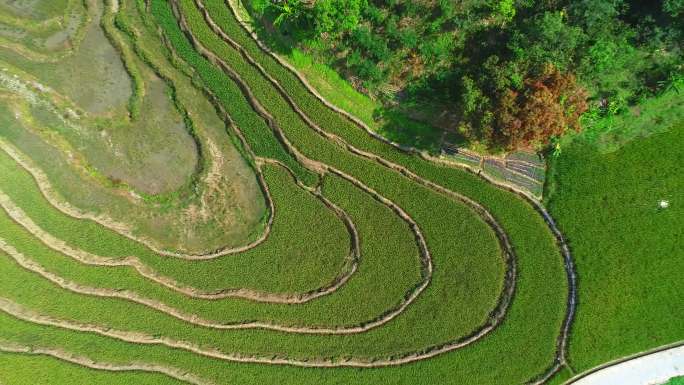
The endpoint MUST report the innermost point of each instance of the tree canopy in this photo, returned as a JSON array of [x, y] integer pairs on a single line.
[[487, 62]]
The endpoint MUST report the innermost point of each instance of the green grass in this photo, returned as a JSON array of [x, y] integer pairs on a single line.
[[334, 88], [627, 251]]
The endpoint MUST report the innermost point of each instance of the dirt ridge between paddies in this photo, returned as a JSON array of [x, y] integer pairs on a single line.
[[176, 373]]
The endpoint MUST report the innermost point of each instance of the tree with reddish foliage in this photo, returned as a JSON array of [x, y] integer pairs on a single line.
[[549, 105]]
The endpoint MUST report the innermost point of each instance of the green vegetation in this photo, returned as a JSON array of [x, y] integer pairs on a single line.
[[468, 275], [657, 114], [476, 65], [210, 215], [608, 205]]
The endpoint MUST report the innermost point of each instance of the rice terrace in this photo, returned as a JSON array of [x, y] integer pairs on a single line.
[[339, 192]]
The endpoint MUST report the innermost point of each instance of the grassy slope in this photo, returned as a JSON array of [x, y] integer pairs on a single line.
[[628, 252]]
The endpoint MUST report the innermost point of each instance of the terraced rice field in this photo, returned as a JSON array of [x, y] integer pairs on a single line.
[[193, 212]]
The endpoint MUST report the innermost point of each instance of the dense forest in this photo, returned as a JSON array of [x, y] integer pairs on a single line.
[[508, 73]]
